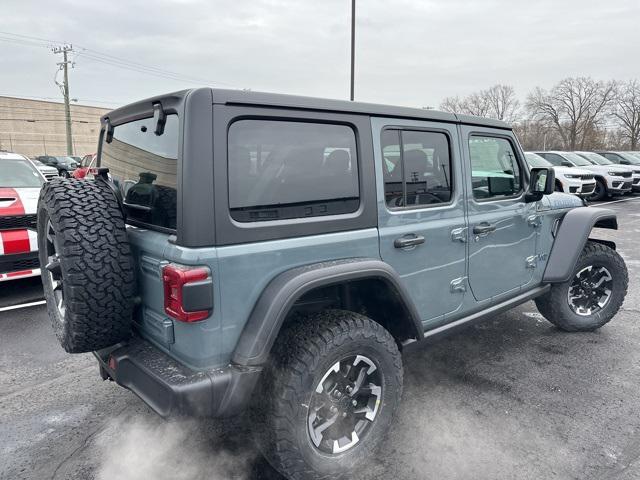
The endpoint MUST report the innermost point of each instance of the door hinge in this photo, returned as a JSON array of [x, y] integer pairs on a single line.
[[459, 285], [459, 234], [534, 220], [532, 261]]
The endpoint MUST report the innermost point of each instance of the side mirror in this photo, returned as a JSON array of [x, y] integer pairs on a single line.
[[567, 164], [541, 182]]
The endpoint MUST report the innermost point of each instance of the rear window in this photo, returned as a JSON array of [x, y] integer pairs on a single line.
[[145, 168], [282, 169], [19, 173]]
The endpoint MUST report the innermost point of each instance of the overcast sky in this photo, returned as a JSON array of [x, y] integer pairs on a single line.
[[408, 52]]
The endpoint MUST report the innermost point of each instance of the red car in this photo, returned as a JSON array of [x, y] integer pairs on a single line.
[[88, 161], [20, 183]]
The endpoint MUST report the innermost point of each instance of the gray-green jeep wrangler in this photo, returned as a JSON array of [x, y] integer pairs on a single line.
[[271, 254]]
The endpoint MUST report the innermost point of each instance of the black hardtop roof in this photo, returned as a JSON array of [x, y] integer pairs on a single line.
[[246, 97]]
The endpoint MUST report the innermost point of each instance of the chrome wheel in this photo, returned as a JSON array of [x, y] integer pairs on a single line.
[[344, 404], [590, 290], [54, 270]]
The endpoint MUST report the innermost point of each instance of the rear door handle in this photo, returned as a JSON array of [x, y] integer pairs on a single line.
[[410, 240], [484, 228]]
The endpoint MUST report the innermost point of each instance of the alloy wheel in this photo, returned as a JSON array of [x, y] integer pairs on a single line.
[[345, 404], [590, 290]]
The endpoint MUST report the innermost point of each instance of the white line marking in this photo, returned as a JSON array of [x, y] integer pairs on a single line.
[[22, 305], [615, 201]]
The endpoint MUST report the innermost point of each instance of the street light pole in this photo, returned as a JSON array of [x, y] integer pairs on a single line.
[[353, 45]]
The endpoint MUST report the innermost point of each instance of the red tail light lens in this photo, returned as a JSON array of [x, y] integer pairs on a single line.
[[174, 278]]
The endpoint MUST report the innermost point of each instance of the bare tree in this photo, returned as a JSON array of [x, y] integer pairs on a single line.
[[627, 112], [574, 106], [503, 103], [497, 102], [451, 105]]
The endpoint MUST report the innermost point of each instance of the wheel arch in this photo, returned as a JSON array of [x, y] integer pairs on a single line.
[[350, 278], [571, 237]]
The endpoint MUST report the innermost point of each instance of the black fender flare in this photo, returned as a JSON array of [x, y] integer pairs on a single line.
[[571, 237], [273, 305]]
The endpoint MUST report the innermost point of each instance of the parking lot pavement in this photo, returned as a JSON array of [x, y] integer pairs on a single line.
[[511, 398]]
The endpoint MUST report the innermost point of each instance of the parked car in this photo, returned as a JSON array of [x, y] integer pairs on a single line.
[[568, 180], [65, 165], [88, 161], [611, 180], [634, 168], [48, 172], [312, 241], [20, 183]]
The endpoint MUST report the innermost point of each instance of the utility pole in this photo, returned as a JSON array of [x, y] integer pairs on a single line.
[[353, 46], [64, 87]]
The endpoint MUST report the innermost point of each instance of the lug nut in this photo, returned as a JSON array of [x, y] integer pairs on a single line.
[[354, 403]]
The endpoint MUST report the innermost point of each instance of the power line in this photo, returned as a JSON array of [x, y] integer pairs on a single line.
[[109, 59]]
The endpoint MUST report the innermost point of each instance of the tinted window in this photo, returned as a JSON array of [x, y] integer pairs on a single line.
[[417, 168], [554, 159], [494, 168], [19, 174], [280, 170], [536, 161], [145, 167]]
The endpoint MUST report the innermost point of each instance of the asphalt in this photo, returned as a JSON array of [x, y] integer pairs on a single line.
[[512, 398]]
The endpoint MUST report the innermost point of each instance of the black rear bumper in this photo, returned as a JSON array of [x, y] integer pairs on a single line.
[[172, 389]]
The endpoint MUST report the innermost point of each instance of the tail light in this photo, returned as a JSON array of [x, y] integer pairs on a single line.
[[188, 292]]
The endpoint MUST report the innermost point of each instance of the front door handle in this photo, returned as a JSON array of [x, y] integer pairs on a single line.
[[484, 229], [410, 240]]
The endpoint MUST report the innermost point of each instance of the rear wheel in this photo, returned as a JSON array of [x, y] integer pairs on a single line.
[[600, 191], [329, 395], [87, 272], [592, 296]]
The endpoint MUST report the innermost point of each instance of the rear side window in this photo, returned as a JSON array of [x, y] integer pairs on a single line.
[[495, 170], [416, 167], [145, 168], [282, 169]]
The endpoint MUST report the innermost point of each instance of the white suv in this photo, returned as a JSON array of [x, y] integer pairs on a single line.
[[615, 159], [568, 179], [610, 179]]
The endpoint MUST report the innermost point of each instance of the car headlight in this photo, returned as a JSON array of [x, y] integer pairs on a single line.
[[572, 176], [614, 174]]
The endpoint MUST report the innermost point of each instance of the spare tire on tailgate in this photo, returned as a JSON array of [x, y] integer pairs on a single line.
[[87, 267]]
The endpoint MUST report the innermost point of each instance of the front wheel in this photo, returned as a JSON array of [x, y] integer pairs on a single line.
[[328, 396], [64, 173], [592, 296], [600, 192]]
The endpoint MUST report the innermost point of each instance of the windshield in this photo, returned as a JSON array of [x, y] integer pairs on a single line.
[[576, 159], [19, 174], [536, 161], [630, 157], [595, 158]]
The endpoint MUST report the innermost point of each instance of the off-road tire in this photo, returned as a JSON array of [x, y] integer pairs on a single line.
[[600, 192], [96, 265], [303, 352], [554, 305]]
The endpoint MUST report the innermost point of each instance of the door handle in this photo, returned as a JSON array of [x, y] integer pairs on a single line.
[[410, 240], [484, 228]]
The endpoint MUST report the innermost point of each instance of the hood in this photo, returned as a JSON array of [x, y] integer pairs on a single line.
[[572, 171], [559, 201], [603, 169], [18, 201]]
